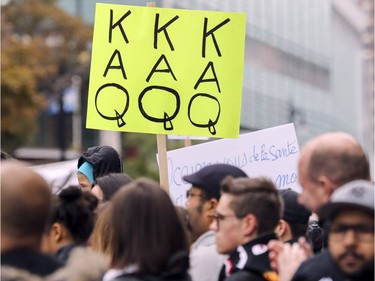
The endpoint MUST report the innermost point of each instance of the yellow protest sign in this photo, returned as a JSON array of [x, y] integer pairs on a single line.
[[166, 71]]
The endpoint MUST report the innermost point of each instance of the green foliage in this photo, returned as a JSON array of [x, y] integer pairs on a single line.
[[140, 154], [42, 48], [19, 106]]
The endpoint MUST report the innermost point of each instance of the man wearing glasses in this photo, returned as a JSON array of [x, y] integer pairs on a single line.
[[202, 199], [350, 223], [246, 217]]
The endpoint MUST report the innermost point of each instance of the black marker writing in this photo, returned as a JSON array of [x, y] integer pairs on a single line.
[[117, 24], [211, 33], [163, 28], [203, 98], [117, 54], [201, 79], [167, 70], [117, 116], [166, 119]]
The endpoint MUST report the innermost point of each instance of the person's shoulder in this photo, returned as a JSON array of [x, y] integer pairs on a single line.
[[315, 268], [9, 273], [76, 266], [206, 239], [129, 277], [318, 260], [146, 277], [32, 261], [138, 277]]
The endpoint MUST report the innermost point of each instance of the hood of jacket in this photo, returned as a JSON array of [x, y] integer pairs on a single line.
[[104, 159]]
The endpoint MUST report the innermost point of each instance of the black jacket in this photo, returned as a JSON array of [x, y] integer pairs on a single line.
[[83, 265], [322, 266], [176, 270], [63, 253], [250, 262], [30, 261], [142, 277], [104, 159]]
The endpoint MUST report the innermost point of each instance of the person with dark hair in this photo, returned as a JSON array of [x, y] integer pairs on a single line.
[[106, 186], [245, 221], [202, 199], [95, 162], [326, 162], [5, 156], [70, 222], [25, 204], [349, 220], [148, 238], [182, 213], [295, 219]]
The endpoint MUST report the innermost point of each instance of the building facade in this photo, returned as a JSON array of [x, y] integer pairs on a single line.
[[307, 62]]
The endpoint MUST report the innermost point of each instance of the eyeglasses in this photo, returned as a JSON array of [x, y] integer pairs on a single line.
[[362, 231], [220, 217]]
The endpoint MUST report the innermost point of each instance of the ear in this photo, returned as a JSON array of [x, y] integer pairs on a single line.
[[211, 206], [250, 225], [56, 232], [281, 228], [327, 185]]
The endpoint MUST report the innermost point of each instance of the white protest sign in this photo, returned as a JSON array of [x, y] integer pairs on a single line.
[[272, 153]]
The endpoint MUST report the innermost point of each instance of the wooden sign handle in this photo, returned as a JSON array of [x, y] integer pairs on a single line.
[[163, 165], [162, 149]]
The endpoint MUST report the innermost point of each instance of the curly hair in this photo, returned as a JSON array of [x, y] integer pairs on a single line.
[[74, 209]]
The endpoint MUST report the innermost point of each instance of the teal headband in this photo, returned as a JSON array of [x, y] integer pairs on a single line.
[[88, 171]]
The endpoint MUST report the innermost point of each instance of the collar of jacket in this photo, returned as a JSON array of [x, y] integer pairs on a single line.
[[252, 256]]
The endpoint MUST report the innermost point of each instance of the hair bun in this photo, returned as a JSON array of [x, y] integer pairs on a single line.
[[90, 200], [70, 194]]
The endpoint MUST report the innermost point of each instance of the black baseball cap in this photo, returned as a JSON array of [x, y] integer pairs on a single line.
[[210, 177], [294, 212]]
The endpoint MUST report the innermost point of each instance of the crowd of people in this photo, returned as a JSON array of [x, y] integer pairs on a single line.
[[112, 227]]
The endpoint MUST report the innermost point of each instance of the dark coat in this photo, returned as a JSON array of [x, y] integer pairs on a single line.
[[322, 266], [63, 253], [250, 262], [177, 270], [82, 265], [138, 277], [104, 159], [30, 261]]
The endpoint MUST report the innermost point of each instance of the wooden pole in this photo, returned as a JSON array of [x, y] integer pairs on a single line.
[[163, 165], [187, 142], [162, 149]]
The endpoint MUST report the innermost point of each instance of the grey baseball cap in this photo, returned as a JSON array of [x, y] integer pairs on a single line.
[[358, 194]]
